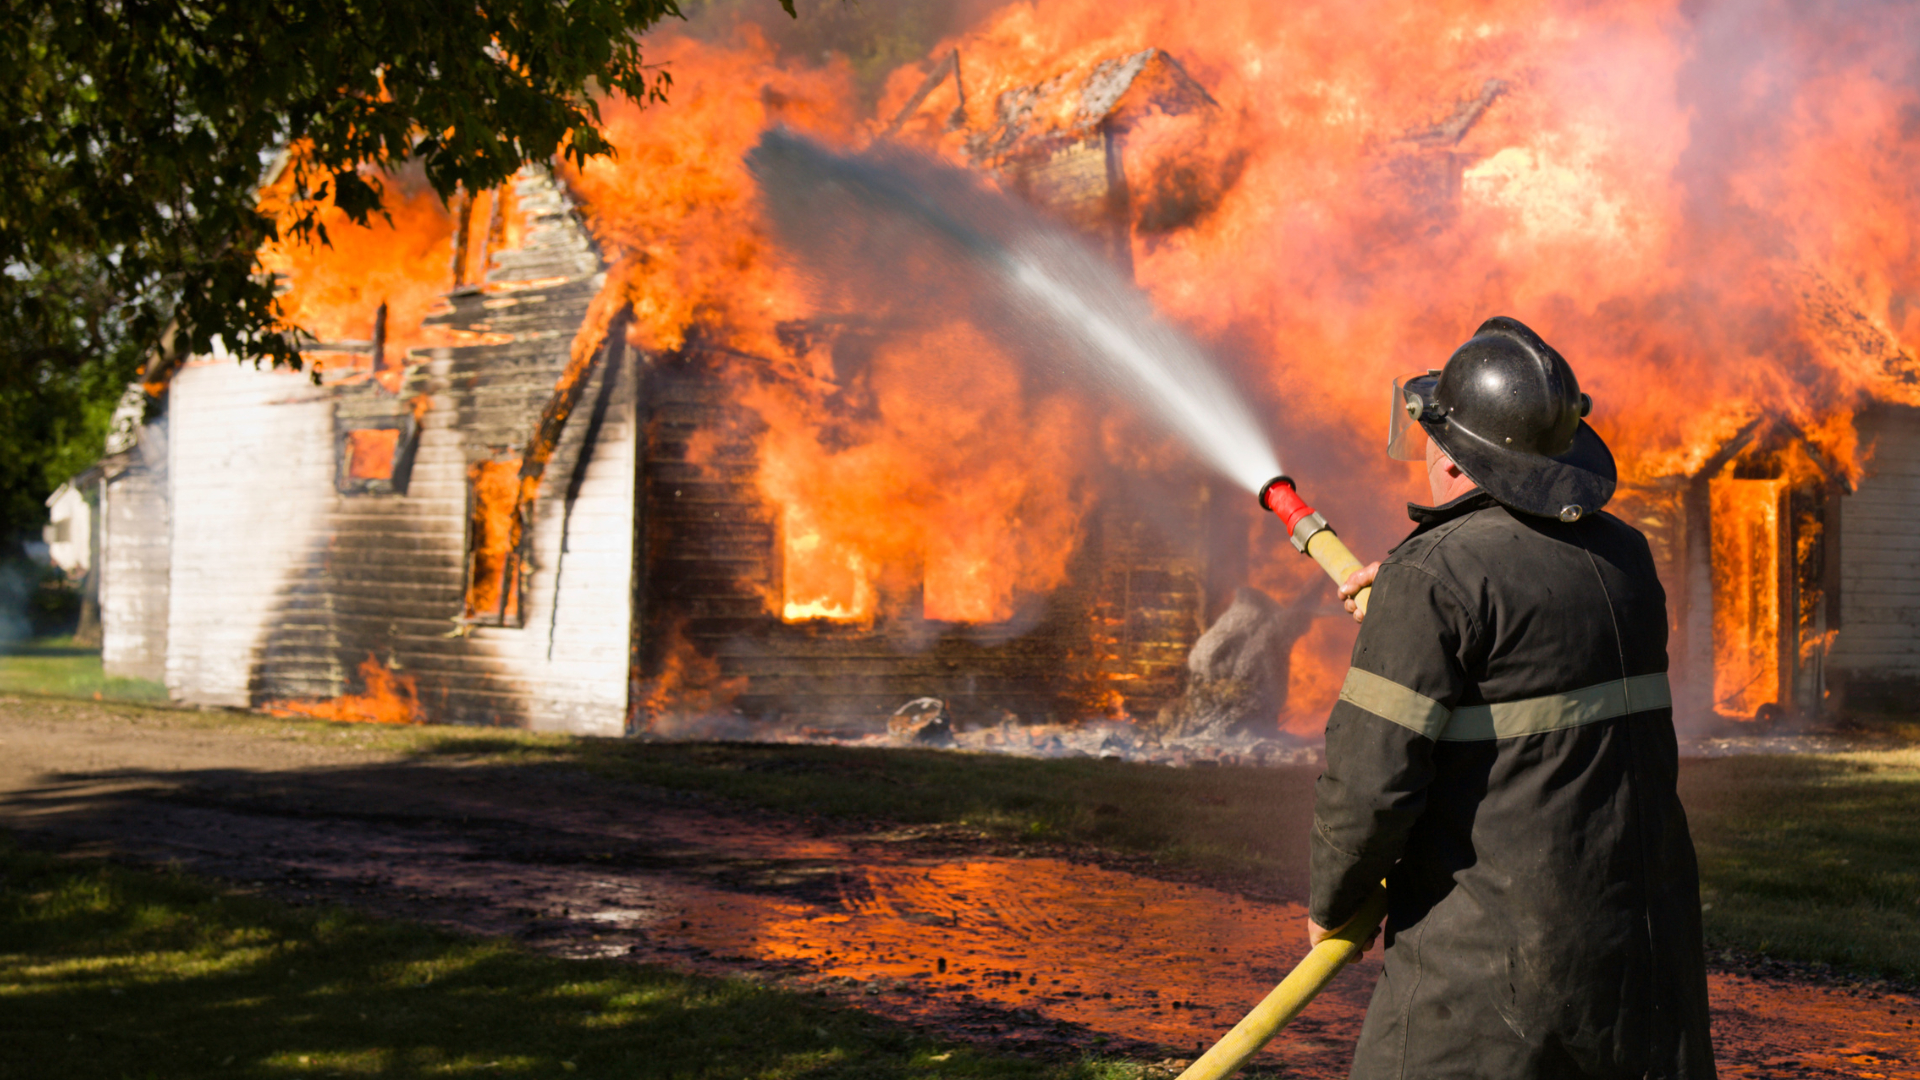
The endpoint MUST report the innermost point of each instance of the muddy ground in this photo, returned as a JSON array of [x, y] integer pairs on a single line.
[[1048, 953]]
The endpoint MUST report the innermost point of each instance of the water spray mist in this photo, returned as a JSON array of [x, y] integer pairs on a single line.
[[846, 214]]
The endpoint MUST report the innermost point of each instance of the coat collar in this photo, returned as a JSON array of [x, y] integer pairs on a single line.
[[1429, 516]]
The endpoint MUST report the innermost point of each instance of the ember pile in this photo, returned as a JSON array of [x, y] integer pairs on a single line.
[[855, 503]]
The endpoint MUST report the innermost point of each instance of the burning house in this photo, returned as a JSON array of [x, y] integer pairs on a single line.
[[585, 455], [381, 545]]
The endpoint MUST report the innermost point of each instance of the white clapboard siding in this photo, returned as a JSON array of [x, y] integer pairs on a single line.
[[135, 564], [1880, 554], [572, 654], [251, 463]]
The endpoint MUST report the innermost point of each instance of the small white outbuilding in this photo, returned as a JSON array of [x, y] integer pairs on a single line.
[[69, 530]]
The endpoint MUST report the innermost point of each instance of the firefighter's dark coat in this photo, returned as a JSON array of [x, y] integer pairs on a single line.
[[1503, 754]]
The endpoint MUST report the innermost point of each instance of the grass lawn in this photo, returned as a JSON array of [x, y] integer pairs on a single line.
[[1234, 820], [57, 667], [107, 971], [1811, 858]]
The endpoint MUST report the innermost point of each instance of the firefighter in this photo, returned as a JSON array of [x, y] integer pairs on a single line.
[[1503, 754]]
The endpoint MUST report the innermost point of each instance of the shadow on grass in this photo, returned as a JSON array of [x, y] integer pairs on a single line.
[[35, 648], [109, 971], [1243, 821]]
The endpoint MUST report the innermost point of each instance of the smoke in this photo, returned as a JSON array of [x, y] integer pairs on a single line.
[[875, 40], [36, 598], [892, 230]]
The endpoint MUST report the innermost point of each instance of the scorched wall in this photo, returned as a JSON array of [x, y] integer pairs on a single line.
[[287, 579]]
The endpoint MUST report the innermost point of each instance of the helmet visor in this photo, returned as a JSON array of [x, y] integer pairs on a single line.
[[1412, 398]]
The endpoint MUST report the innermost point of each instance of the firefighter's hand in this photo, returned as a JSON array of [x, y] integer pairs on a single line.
[[1350, 588], [1317, 933]]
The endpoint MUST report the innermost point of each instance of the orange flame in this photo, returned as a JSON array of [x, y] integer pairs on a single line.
[[690, 687], [402, 261], [904, 468], [1710, 217], [493, 563], [390, 698], [1747, 569], [370, 453]]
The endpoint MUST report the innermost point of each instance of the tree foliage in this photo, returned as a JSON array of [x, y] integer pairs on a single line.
[[136, 134], [67, 362]]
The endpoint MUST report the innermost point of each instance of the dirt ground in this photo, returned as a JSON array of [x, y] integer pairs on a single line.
[[1052, 954]]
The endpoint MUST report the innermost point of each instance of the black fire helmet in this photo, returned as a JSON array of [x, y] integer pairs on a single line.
[[1508, 410]]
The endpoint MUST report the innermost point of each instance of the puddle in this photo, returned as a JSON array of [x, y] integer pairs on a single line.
[[1113, 955], [1123, 957]]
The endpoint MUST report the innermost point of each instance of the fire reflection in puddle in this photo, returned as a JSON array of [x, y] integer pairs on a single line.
[[1044, 942], [1135, 960], [1120, 955]]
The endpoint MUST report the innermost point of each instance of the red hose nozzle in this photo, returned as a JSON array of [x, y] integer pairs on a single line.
[[1304, 524], [1279, 496]]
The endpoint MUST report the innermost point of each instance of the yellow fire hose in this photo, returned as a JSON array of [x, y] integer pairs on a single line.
[[1278, 1009], [1315, 539], [1326, 549]]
